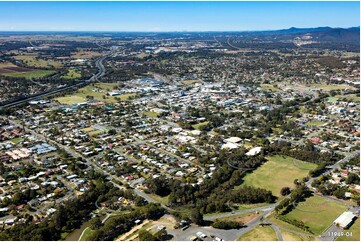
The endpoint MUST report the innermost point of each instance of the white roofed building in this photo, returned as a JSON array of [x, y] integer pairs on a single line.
[[345, 219]]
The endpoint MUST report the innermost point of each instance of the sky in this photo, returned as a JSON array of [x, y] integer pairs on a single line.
[[175, 16]]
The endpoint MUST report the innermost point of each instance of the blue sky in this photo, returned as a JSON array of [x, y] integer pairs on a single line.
[[175, 16]]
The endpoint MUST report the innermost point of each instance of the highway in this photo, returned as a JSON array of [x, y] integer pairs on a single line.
[[95, 77]]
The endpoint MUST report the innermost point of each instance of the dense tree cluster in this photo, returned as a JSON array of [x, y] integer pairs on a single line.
[[67, 217], [118, 225], [227, 225]]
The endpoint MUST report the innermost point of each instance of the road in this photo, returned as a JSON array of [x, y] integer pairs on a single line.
[[240, 212], [333, 167], [95, 77]]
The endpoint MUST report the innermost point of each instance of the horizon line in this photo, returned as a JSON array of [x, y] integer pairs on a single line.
[[174, 31]]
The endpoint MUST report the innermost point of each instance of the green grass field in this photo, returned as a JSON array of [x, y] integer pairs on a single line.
[[72, 74], [199, 125], [278, 172], [315, 123], [107, 86], [269, 87], [87, 233], [162, 200], [151, 114], [326, 87], [352, 233], [6, 64], [83, 54], [32, 60], [289, 236], [332, 99], [259, 233], [31, 74], [92, 131], [189, 82], [283, 224], [350, 97], [16, 140], [98, 91], [70, 99], [317, 213]]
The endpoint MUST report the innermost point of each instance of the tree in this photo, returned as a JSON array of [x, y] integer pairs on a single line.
[[161, 235], [145, 235], [197, 217], [285, 191], [227, 225], [2, 169], [95, 223], [353, 178]]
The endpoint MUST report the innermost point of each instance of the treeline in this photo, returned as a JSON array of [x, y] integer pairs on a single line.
[[118, 225], [216, 191], [227, 224], [298, 224], [214, 195], [307, 153], [299, 194]]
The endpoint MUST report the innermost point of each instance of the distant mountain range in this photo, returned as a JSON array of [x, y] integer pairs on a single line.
[[322, 33], [294, 30]]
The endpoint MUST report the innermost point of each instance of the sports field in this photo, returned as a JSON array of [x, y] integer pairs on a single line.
[[317, 213], [278, 172], [259, 233]]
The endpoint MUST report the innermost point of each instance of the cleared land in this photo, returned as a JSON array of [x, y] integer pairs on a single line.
[[278, 172], [259, 234], [317, 213], [34, 61], [32, 74], [72, 74], [244, 218], [8, 68], [83, 54]]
